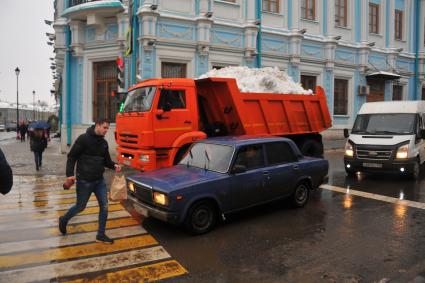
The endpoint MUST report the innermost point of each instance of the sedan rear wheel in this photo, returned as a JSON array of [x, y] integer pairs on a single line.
[[201, 218], [300, 195]]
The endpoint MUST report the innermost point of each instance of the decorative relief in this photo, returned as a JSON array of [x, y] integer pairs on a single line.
[[275, 46], [112, 32], [378, 62], [90, 34], [227, 38], [312, 51], [344, 56], [403, 66], [175, 31]]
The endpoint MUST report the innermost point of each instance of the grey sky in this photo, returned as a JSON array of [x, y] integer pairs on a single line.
[[23, 44]]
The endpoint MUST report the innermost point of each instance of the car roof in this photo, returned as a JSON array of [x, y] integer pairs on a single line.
[[242, 140]]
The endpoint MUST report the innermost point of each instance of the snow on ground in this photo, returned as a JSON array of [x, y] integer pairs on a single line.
[[268, 79]]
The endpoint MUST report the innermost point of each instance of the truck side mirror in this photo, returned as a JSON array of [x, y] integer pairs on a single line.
[[158, 113], [346, 134], [237, 169], [166, 107]]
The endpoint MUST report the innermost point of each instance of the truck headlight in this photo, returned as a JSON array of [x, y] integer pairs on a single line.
[[144, 158], [349, 149], [130, 186], [402, 152], [160, 198]]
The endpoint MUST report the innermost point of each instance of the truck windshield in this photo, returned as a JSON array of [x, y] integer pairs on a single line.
[[139, 99], [381, 124], [214, 157]]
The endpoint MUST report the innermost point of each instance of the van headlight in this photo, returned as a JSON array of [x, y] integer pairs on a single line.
[[349, 149], [160, 198], [402, 152]]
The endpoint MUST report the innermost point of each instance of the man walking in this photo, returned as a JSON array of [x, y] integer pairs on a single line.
[[91, 153]]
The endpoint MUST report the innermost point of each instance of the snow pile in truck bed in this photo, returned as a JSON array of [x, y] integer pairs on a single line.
[[268, 79]]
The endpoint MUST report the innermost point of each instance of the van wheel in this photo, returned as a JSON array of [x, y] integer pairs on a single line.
[[312, 148], [416, 171], [350, 173], [201, 218], [300, 195]]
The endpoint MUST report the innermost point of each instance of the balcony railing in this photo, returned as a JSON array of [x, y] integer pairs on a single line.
[[78, 2]]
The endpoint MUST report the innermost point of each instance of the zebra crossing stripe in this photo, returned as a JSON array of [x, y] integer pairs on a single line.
[[146, 273], [67, 240], [84, 266], [83, 250]]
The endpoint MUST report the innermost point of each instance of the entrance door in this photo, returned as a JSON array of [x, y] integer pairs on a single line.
[[377, 90], [104, 82]]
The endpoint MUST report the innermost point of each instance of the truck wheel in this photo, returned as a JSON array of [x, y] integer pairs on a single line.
[[312, 148], [180, 153], [300, 195], [201, 218], [416, 171]]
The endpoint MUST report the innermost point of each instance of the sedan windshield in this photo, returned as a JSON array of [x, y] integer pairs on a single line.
[[214, 157], [139, 99], [390, 124]]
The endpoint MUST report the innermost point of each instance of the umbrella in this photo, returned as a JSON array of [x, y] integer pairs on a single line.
[[39, 125]]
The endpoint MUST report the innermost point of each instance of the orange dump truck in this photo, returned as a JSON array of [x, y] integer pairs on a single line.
[[162, 117]]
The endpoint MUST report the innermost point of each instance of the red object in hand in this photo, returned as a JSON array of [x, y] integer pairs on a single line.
[[68, 184]]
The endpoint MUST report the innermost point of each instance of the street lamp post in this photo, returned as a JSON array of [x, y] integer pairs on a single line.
[[17, 71], [33, 105]]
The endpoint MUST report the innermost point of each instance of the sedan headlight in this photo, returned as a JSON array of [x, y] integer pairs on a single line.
[[130, 186], [402, 152], [160, 198], [349, 149]]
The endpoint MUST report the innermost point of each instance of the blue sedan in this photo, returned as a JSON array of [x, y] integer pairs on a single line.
[[222, 175]]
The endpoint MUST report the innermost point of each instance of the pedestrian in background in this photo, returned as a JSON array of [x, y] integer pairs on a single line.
[[91, 153], [38, 143], [23, 130], [6, 176]]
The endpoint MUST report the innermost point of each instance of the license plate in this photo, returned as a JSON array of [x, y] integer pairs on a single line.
[[372, 165], [141, 210], [127, 162]]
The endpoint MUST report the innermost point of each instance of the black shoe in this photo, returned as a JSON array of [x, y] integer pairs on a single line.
[[37, 168], [104, 239], [62, 225]]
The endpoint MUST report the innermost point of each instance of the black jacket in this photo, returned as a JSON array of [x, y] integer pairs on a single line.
[[38, 144], [91, 153], [6, 176]]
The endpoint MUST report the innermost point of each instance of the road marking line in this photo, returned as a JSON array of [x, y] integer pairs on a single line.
[[28, 209], [66, 253], [83, 266], [42, 191], [72, 239], [54, 214], [146, 273], [24, 198], [46, 229], [409, 203]]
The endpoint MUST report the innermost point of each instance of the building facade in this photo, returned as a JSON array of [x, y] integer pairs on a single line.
[[357, 50]]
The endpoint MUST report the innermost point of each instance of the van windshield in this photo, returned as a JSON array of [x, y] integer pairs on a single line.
[[139, 99], [385, 124]]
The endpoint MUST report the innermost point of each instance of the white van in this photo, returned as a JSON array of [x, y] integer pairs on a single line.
[[387, 137]]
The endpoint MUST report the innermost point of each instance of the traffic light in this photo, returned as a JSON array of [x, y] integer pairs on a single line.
[[120, 75]]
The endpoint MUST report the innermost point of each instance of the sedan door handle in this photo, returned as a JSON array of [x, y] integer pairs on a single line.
[[265, 173], [296, 167]]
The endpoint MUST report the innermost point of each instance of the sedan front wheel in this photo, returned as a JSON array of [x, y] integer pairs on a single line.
[[201, 218]]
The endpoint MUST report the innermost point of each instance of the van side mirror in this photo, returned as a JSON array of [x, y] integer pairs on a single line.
[[422, 134], [346, 133], [237, 169]]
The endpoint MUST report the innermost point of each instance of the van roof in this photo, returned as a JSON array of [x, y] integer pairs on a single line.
[[393, 107]]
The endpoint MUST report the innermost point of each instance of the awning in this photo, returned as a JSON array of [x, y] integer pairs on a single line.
[[383, 75]]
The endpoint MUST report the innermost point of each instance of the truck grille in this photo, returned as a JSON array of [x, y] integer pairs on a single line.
[[143, 193], [371, 153], [129, 139]]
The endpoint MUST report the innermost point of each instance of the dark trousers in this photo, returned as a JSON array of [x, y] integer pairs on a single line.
[[22, 137], [84, 191], [38, 157]]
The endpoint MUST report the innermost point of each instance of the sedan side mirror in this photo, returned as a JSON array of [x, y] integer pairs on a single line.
[[346, 133], [422, 134], [237, 169]]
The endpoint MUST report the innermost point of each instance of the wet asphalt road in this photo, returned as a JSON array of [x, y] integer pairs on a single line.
[[364, 229], [337, 237]]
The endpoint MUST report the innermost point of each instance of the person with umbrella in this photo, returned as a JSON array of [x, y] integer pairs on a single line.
[[38, 143]]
